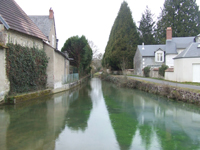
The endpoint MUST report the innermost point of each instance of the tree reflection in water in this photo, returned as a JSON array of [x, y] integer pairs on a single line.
[[145, 121], [80, 108], [121, 114], [116, 119]]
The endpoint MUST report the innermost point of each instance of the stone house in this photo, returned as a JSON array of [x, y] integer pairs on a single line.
[[156, 55], [46, 24], [17, 28], [58, 60]]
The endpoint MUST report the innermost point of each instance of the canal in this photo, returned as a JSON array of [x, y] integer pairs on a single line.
[[100, 116]]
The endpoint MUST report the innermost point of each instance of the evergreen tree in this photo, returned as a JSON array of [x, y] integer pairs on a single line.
[[123, 40], [182, 15], [147, 27], [79, 49]]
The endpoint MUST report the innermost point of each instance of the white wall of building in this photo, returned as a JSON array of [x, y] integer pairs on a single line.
[[183, 70], [170, 60]]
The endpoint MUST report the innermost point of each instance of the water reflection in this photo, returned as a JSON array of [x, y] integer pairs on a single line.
[[80, 108], [158, 123], [35, 125], [100, 116], [99, 134]]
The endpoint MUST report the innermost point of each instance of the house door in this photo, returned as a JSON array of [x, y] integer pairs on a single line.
[[196, 72]]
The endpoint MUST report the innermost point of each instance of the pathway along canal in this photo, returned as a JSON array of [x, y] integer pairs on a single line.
[[100, 116]]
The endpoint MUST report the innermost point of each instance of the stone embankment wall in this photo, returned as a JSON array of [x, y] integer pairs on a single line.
[[170, 92], [33, 95]]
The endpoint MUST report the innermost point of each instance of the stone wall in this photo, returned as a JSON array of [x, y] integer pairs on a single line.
[[57, 69], [15, 37], [11, 36], [52, 39], [185, 95], [138, 64], [154, 73], [4, 83], [50, 68]]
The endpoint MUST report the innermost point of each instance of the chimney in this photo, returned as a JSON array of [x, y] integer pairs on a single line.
[[51, 13], [142, 46], [169, 33]]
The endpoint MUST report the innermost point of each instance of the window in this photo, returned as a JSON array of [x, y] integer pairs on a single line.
[[159, 57]]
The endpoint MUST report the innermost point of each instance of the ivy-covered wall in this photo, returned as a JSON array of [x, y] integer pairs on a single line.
[[25, 68]]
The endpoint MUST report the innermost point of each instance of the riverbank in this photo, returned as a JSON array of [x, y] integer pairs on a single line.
[[171, 92], [20, 98]]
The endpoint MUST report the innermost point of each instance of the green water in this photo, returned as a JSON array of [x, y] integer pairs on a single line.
[[100, 116]]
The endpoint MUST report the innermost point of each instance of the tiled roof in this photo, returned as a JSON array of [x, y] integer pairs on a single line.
[[182, 42], [17, 19], [170, 47], [192, 51], [169, 70], [149, 50], [43, 23], [156, 69]]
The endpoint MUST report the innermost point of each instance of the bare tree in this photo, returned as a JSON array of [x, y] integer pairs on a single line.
[[97, 57], [94, 48]]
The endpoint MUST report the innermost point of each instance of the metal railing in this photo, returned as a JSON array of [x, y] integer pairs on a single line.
[[71, 78]]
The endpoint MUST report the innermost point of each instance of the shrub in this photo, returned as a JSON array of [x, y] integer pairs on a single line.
[[162, 70], [146, 71], [26, 68]]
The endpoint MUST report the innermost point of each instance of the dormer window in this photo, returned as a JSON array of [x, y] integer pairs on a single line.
[[159, 56]]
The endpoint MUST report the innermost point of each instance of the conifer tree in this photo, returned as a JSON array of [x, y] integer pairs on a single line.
[[123, 40], [182, 15], [147, 27]]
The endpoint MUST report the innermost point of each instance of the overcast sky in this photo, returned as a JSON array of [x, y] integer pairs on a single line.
[[92, 18]]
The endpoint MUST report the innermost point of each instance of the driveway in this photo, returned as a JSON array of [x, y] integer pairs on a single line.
[[167, 83]]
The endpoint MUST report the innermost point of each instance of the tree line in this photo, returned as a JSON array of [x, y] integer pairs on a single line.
[[182, 15]]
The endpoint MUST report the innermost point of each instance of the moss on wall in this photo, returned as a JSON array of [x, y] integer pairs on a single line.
[[25, 97]]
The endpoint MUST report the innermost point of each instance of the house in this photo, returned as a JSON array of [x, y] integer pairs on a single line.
[[17, 28], [186, 64], [156, 55], [46, 24], [58, 60]]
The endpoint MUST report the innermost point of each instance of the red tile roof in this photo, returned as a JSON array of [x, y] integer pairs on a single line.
[[170, 70], [156, 69], [18, 20]]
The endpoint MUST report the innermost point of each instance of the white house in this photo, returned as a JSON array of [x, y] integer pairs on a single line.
[[156, 55], [186, 64]]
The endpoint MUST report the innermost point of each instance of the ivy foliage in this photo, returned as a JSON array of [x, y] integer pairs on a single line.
[[162, 70], [146, 71], [26, 68]]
